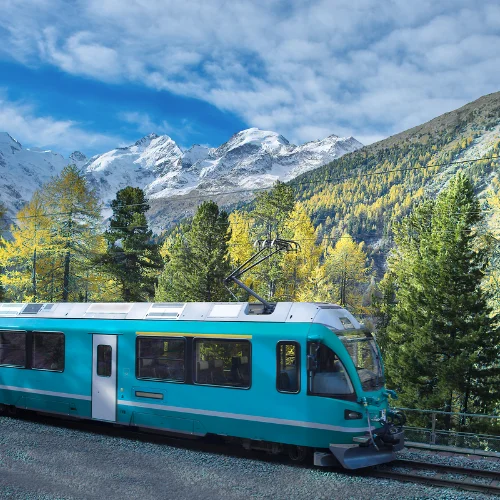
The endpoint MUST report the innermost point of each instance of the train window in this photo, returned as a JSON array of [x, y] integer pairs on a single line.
[[288, 367], [13, 349], [327, 375], [48, 351], [104, 360], [160, 358], [222, 362]]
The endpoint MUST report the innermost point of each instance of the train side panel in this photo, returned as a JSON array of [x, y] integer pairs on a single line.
[[258, 413]]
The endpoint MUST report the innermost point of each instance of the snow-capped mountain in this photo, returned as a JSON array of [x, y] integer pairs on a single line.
[[23, 171], [251, 159]]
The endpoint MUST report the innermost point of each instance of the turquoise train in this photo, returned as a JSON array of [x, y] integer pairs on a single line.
[[304, 378]]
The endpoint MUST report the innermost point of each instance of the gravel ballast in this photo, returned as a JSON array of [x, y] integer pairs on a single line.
[[39, 461]]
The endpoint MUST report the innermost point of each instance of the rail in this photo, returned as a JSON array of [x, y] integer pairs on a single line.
[[467, 433], [481, 481]]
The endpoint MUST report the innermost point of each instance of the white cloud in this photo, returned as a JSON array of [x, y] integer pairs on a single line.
[[64, 136], [358, 67], [143, 122]]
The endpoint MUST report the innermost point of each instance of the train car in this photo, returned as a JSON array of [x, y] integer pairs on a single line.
[[303, 378]]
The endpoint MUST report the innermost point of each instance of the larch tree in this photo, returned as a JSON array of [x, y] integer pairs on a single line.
[[241, 248], [198, 259], [74, 214], [271, 213], [27, 254], [2, 290], [299, 266], [441, 340], [346, 272], [132, 258]]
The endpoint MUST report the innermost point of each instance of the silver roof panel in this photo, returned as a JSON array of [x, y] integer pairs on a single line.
[[293, 312]]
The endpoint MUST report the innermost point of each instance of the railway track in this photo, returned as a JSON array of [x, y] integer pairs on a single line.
[[481, 481], [440, 475]]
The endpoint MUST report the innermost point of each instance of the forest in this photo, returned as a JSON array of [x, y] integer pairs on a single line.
[[435, 310]]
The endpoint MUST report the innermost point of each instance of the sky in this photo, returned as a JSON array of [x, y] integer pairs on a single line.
[[91, 75]]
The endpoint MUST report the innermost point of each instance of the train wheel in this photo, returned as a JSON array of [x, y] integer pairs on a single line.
[[298, 453]]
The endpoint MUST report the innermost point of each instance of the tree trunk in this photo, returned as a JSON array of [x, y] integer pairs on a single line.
[[65, 294]]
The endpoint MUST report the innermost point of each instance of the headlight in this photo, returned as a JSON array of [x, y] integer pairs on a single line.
[[352, 415]]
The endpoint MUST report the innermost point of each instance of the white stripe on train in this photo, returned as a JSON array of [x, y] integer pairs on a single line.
[[240, 416], [196, 411]]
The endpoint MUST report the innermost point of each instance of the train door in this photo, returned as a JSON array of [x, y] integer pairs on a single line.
[[104, 377]]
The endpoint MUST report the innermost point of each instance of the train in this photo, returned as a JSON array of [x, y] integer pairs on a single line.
[[304, 379]]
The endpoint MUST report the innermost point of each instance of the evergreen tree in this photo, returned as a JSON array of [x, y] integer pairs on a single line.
[[441, 340], [198, 259], [132, 258], [492, 279]]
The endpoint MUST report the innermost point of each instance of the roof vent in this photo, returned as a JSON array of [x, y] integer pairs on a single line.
[[165, 311], [11, 309]]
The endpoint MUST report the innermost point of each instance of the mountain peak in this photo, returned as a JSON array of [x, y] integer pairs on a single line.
[[77, 156], [7, 139], [146, 140]]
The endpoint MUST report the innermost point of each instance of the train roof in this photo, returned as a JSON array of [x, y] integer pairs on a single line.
[[284, 312]]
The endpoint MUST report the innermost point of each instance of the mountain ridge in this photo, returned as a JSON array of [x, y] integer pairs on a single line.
[[250, 158]]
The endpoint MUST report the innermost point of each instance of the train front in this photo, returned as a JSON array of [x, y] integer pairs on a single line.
[[344, 362]]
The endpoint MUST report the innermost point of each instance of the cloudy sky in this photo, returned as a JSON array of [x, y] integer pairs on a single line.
[[96, 74]]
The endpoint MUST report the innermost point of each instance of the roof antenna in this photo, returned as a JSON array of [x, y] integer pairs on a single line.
[[274, 246]]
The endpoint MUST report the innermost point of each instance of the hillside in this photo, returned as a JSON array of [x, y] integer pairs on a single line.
[[352, 194]]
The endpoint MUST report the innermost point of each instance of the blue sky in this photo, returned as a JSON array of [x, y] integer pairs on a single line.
[[95, 74]]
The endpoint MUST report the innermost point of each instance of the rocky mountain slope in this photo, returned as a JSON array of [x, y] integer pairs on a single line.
[[23, 171], [174, 180]]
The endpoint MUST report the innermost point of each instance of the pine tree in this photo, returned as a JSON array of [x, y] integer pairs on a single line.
[[132, 257], [441, 340], [198, 259]]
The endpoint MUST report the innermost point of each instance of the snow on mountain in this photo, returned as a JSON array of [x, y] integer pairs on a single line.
[[250, 159], [138, 165], [23, 171]]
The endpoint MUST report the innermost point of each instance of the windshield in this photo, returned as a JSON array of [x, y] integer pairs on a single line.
[[364, 353]]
